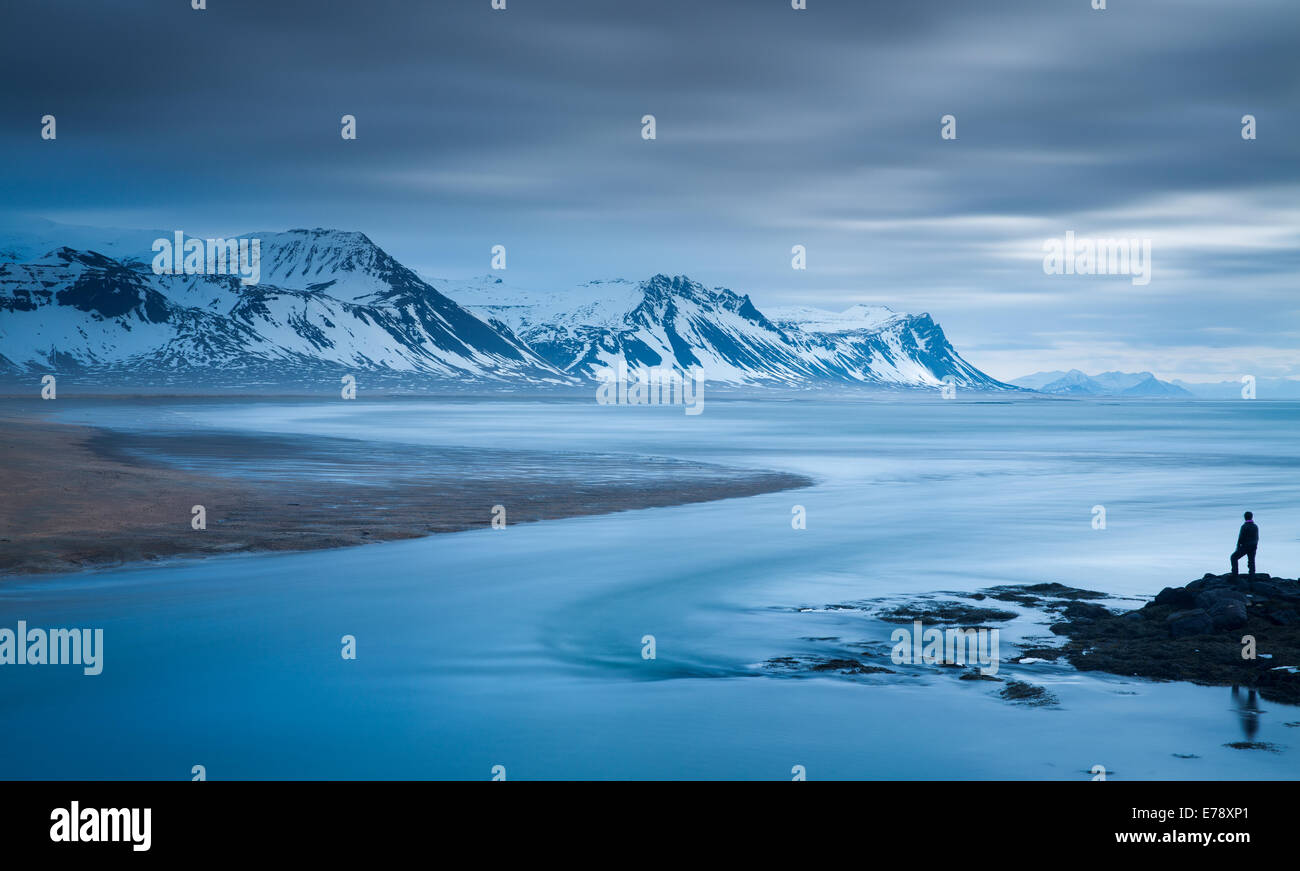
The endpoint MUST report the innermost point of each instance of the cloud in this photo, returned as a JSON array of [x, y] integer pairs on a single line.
[[775, 127]]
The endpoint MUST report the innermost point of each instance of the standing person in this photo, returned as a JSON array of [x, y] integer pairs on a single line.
[[1247, 543]]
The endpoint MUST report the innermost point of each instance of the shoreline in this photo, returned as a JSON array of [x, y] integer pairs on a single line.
[[84, 497], [1220, 630]]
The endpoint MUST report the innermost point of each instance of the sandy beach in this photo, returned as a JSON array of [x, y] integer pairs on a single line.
[[82, 497]]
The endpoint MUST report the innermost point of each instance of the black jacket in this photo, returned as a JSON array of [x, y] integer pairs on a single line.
[[1248, 538]]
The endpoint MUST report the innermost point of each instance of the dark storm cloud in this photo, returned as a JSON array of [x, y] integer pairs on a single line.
[[774, 127]]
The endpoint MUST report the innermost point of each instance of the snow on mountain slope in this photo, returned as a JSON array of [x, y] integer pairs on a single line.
[[347, 266], [331, 300], [26, 238], [875, 345], [678, 323], [663, 322], [817, 320], [84, 311], [596, 303]]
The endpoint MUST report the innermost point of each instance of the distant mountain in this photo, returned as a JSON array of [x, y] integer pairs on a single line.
[[329, 302], [26, 238], [1038, 379], [676, 322], [1076, 383]]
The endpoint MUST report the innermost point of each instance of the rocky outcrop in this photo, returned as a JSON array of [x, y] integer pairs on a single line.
[[1219, 630]]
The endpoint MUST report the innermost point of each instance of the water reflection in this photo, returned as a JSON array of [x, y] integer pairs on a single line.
[[1247, 706]]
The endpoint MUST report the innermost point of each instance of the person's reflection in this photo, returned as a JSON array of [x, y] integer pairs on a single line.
[[1248, 710]]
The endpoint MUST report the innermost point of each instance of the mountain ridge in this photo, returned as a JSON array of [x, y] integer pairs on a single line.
[[132, 320], [332, 301], [1078, 383], [674, 321]]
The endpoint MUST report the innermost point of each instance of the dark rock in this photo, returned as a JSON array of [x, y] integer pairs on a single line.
[[1254, 745], [1200, 643], [1210, 599], [848, 666], [1040, 595], [1193, 622], [946, 613], [1177, 597], [821, 665], [1273, 590], [1084, 611], [1228, 614], [1061, 591], [975, 675], [1027, 694]]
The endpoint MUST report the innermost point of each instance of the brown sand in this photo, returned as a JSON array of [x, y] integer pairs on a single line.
[[76, 497]]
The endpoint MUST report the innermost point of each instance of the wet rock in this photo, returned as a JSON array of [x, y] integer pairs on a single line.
[[849, 666], [1228, 614], [1027, 694], [1199, 640], [1177, 597], [946, 613], [1271, 590], [1254, 745], [822, 665], [1084, 611], [1193, 622], [1210, 599], [1038, 594], [1168, 640]]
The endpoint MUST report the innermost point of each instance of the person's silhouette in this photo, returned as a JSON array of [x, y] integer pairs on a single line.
[[1247, 543]]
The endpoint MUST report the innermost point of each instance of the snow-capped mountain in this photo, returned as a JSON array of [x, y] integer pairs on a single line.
[[326, 299], [662, 322], [675, 322], [876, 345], [329, 301], [1077, 383]]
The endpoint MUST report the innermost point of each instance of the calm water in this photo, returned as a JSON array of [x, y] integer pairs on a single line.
[[522, 647]]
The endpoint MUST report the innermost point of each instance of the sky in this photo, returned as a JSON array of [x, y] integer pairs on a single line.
[[775, 127]]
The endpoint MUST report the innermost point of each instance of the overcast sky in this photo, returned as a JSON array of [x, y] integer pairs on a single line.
[[775, 127]]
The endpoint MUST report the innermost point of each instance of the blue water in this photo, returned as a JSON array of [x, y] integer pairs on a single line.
[[523, 647]]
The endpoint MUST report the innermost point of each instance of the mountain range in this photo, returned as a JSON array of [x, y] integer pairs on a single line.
[[679, 323], [1076, 383], [331, 302]]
